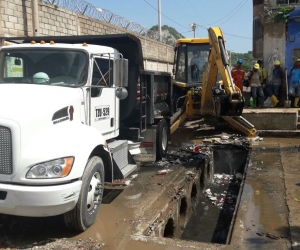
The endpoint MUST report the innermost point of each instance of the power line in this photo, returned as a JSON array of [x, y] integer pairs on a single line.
[[165, 15], [180, 7], [243, 1], [229, 34], [201, 26], [235, 12], [186, 31], [244, 37]]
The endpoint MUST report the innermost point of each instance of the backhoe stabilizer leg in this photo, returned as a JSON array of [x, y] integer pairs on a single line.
[[242, 125]]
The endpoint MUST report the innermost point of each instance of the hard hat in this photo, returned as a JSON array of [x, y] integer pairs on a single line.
[[256, 66], [298, 60], [240, 60], [40, 77], [277, 62]]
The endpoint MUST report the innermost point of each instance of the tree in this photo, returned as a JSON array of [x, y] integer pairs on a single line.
[[247, 59]]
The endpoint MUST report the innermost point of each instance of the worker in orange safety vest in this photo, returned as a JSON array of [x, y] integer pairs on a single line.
[[238, 74]]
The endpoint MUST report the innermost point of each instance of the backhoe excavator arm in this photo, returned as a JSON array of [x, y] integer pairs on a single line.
[[219, 99], [222, 100]]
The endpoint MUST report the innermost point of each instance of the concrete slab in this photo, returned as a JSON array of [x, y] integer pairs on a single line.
[[262, 220], [272, 119]]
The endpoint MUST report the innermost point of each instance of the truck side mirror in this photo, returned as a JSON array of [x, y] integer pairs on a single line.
[[121, 93], [121, 66]]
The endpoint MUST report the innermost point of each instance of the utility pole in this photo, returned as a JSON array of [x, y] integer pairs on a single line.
[[159, 21], [35, 17], [193, 27]]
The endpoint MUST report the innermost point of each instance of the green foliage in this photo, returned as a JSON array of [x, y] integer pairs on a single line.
[[282, 15], [247, 59]]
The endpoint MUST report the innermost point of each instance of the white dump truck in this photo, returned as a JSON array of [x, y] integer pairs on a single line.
[[71, 111]]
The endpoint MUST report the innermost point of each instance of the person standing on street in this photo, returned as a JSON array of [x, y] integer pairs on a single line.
[[277, 80], [238, 74], [294, 82], [264, 76], [253, 76]]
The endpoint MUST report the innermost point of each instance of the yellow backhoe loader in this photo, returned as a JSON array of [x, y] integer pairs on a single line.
[[203, 85]]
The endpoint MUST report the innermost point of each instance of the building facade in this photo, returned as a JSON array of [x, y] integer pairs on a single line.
[[276, 32]]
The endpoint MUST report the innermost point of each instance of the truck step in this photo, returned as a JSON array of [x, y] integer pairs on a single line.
[[126, 171], [119, 151], [116, 145]]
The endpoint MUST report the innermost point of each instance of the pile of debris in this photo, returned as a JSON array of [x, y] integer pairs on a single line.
[[226, 198]]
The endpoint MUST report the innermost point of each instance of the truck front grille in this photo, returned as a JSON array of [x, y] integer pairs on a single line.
[[5, 151]]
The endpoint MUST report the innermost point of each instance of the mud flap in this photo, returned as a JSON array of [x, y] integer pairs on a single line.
[[148, 146]]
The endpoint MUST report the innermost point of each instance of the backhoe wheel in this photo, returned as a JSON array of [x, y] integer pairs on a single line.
[[86, 210], [162, 139]]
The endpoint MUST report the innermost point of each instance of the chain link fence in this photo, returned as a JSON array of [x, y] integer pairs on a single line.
[[87, 9]]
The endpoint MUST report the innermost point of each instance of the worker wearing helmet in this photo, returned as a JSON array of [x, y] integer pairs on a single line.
[[238, 74], [254, 78], [294, 82], [276, 82], [264, 76]]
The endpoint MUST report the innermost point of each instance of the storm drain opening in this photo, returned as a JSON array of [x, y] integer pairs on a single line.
[[183, 207], [204, 177], [194, 192], [169, 231], [213, 218]]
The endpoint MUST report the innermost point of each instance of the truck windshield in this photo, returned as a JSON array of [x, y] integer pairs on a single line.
[[58, 67]]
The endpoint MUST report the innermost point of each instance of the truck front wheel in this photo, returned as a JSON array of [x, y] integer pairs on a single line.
[[162, 139], [86, 210]]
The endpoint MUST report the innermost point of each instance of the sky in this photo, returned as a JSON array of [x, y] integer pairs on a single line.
[[234, 17]]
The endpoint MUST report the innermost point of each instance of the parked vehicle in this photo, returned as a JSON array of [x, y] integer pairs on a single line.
[[74, 111]]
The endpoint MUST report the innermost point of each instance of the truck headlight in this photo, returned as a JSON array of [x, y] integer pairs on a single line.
[[52, 169]]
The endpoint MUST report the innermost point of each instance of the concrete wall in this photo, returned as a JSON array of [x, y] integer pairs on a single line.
[[16, 20], [274, 45], [258, 42]]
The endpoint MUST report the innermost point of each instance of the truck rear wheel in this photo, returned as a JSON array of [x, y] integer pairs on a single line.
[[86, 210], [162, 139]]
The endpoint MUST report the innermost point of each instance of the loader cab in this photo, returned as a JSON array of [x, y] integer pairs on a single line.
[[190, 58]]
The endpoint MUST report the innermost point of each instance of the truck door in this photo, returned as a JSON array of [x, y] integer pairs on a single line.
[[103, 99]]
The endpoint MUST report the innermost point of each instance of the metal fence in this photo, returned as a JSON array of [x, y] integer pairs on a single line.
[[87, 9]]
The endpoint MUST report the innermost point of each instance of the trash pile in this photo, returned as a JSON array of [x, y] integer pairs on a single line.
[[223, 198]]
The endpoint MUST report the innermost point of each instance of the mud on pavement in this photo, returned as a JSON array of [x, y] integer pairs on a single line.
[[154, 210]]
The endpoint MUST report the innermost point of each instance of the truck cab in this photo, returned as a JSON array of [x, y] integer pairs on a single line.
[[71, 109]]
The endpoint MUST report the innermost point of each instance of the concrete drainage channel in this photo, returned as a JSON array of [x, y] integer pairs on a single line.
[[205, 207]]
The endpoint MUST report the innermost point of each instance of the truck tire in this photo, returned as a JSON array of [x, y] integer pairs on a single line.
[[162, 139], [86, 210]]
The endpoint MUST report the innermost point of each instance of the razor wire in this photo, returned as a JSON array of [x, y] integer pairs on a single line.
[[84, 8]]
